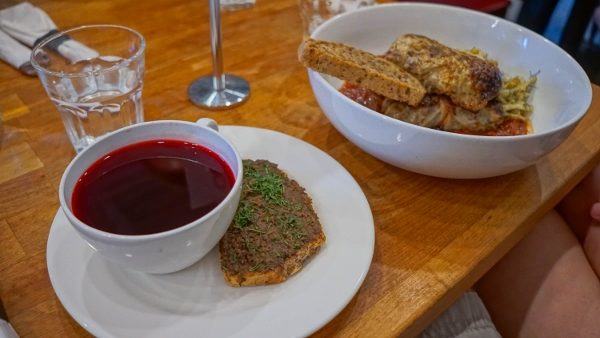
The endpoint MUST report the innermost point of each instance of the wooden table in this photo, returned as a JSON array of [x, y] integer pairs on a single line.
[[434, 237]]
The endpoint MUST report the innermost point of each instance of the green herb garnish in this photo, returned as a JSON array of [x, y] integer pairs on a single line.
[[233, 257], [288, 221], [291, 228], [257, 267], [243, 216], [257, 230], [249, 245], [267, 184]]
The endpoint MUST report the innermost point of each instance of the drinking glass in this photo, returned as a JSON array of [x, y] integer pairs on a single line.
[[315, 12], [93, 75]]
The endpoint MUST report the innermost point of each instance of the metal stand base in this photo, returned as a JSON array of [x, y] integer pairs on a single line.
[[202, 92]]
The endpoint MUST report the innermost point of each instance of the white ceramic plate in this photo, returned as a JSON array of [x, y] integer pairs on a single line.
[[111, 302]]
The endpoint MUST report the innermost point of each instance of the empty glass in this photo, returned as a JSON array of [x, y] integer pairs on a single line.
[[93, 75], [315, 12]]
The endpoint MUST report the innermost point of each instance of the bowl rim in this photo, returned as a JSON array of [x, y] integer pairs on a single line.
[[106, 236], [587, 96]]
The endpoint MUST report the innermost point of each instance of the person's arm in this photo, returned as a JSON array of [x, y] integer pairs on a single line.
[[544, 287], [581, 209], [576, 207]]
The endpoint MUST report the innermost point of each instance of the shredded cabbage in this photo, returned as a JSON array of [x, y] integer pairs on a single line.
[[514, 95]]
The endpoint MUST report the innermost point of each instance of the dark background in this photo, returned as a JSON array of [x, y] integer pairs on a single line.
[[572, 24]]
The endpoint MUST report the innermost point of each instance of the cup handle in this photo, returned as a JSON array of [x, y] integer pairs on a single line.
[[209, 123]]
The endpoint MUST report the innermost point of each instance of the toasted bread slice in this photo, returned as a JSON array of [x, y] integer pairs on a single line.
[[275, 229], [280, 273], [362, 68]]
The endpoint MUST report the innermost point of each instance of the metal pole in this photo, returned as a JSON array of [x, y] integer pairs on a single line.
[[218, 90], [216, 39]]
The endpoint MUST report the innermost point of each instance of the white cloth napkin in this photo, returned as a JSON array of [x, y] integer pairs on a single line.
[[6, 331], [12, 52], [28, 24]]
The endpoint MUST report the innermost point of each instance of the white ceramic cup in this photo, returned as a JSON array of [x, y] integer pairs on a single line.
[[167, 251]]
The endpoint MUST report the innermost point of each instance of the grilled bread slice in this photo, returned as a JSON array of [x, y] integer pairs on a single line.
[[470, 82], [362, 68], [274, 231]]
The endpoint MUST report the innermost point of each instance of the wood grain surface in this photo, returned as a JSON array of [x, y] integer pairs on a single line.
[[434, 237]]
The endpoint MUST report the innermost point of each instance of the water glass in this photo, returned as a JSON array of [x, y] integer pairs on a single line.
[[315, 12], [93, 75]]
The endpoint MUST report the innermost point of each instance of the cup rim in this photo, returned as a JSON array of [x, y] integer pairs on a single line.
[[136, 56], [108, 236]]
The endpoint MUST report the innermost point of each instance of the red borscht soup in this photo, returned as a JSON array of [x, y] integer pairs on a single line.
[[151, 187]]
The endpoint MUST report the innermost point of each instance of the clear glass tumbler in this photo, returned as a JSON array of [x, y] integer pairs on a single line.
[[93, 75], [315, 12]]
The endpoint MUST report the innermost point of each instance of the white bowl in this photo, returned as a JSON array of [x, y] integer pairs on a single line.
[[171, 250], [561, 98]]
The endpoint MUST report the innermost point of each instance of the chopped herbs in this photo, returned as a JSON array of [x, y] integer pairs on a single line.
[[249, 245], [233, 257], [256, 267], [256, 230], [266, 183], [243, 216]]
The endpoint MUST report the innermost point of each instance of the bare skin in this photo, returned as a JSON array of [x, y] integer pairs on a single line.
[[581, 210], [548, 285]]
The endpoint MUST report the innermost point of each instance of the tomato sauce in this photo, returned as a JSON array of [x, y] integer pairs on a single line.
[[510, 127], [363, 96]]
